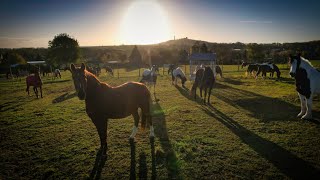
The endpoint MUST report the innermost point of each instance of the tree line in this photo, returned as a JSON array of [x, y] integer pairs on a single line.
[[64, 49]]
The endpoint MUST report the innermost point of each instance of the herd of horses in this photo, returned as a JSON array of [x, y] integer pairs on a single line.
[[255, 69], [105, 102]]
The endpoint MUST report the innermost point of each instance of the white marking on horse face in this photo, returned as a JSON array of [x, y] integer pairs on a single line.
[[293, 66]]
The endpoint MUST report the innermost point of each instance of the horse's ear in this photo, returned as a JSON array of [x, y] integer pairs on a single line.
[[72, 67], [83, 67]]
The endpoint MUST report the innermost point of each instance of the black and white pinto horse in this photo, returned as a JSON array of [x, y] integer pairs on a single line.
[[149, 77], [218, 70], [57, 73], [252, 68], [178, 73], [307, 83], [268, 67]]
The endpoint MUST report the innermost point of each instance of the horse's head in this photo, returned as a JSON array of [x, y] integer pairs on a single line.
[[80, 80], [294, 62], [243, 64]]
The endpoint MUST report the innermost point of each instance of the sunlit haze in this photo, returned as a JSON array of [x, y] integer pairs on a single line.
[[96, 23]]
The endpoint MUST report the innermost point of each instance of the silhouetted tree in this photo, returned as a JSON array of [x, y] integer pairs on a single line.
[[135, 58], [203, 48], [63, 49]]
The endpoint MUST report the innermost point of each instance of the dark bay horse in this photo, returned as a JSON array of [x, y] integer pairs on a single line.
[[219, 71], [35, 81], [252, 68], [109, 70], [105, 102], [204, 80]]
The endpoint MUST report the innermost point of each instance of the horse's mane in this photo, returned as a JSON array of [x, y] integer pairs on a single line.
[[306, 61], [94, 78]]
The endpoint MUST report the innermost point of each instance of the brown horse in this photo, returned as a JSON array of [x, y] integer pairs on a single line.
[[204, 80], [105, 102], [219, 71], [35, 81]]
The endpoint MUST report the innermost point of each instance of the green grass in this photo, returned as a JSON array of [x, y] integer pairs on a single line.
[[250, 132]]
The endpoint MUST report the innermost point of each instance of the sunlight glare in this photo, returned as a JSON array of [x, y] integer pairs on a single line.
[[144, 23]]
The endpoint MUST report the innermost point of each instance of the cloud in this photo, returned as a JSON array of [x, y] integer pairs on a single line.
[[257, 22]]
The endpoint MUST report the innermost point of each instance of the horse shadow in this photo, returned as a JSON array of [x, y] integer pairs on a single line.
[[64, 97], [168, 155], [143, 170], [288, 163], [98, 165], [261, 107], [186, 93]]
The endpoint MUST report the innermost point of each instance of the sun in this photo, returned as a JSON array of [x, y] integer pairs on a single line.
[[144, 23]]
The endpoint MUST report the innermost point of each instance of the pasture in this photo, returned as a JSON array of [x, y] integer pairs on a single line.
[[250, 132]]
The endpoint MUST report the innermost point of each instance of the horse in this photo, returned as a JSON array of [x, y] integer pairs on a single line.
[[35, 81], [219, 71], [178, 73], [244, 64], [204, 80], [57, 73], [109, 70], [104, 102], [171, 68], [307, 80], [268, 67], [252, 68], [149, 76]]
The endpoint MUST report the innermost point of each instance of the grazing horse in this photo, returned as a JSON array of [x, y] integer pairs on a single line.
[[204, 80], [252, 68], [109, 70], [178, 73], [171, 68], [57, 73], [307, 83], [149, 76], [35, 81], [219, 71], [104, 102], [268, 67], [244, 64]]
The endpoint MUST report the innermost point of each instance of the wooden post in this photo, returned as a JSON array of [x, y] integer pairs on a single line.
[[118, 70], [139, 71], [163, 70]]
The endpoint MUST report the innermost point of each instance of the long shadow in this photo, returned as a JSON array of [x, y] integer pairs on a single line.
[[288, 163], [64, 97], [260, 107], [161, 132], [133, 160], [98, 165], [143, 170], [186, 93]]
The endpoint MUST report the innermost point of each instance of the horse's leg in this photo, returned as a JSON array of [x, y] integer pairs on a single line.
[[308, 115], [205, 94], [41, 91], [28, 90], [200, 91], [209, 93], [303, 105], [172, 77], [136, 118], [35, 91], [101, 125], [149, 118]]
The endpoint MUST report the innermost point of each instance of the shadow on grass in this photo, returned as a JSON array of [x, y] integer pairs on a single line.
[[289, 164], [168, 155], [260, 107], [98, 165], [64, 97], [143, 170], [186, 93], [56, 81]]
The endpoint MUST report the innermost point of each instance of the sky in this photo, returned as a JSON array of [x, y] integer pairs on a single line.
[[33, 23]]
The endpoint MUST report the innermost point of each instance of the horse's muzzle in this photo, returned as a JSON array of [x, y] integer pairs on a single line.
[[292, 74]]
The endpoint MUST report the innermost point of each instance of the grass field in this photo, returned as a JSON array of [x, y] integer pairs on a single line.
[[250, 132]]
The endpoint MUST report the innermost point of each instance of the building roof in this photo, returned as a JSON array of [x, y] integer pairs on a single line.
[[36, 62], [202, 57]]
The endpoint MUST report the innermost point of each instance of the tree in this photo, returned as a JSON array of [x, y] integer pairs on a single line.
[[15, 58], [204, 48], [63, 49], [135, 57]]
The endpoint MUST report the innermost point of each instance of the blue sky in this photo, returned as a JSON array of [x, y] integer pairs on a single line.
[[33, 23]]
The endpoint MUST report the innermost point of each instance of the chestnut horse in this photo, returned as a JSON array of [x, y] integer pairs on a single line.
[[204, 80], [35, 81], [105, 102]]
